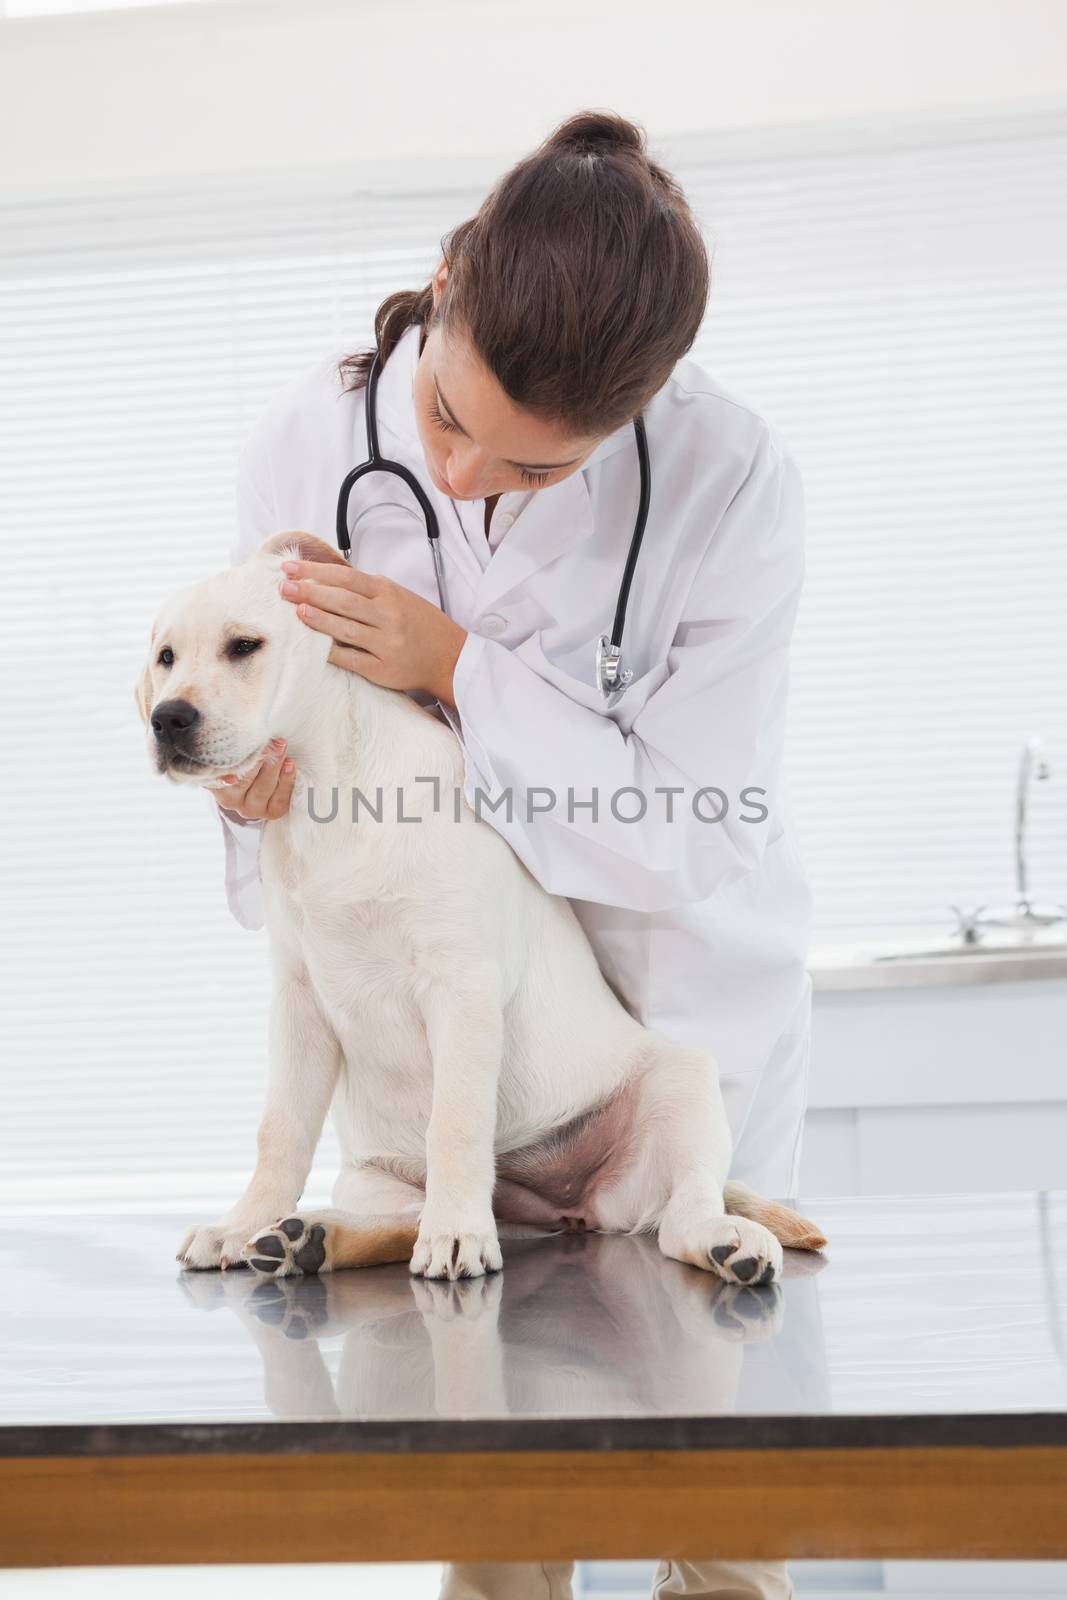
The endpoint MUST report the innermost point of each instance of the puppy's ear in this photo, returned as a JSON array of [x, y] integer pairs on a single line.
[[300, 547], [142, 694]]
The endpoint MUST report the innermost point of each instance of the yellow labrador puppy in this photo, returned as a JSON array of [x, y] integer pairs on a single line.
[[449, 1010]]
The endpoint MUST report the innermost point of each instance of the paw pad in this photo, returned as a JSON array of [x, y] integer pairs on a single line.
[[312, 1253], [738, 1265], [291, 1246]]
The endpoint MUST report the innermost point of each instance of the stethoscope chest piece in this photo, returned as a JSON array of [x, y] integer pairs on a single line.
[[611, 676]]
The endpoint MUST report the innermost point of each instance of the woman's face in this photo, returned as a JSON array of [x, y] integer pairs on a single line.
[[477, 442]]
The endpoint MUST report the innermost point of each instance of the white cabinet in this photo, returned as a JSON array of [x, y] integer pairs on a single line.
[[937, 1088]]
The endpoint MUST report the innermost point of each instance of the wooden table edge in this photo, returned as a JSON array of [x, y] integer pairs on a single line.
[[906, 1503]]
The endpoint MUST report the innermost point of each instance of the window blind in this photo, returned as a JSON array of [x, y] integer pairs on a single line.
[[897, 306], [890, 297]]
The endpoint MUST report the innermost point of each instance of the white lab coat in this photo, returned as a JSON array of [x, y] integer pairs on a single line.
[[702, 928]]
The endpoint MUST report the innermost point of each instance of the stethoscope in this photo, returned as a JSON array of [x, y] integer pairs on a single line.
[[611, 676]]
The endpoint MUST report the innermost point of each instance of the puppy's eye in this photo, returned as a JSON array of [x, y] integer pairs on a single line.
[[165, 657], [243, 647]]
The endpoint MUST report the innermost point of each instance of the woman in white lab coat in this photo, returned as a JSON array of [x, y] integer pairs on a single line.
[[508, 385]]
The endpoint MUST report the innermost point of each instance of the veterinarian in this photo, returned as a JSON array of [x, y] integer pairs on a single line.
[[508, 386]]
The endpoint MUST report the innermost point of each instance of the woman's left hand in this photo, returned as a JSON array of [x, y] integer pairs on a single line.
[[381, 630]]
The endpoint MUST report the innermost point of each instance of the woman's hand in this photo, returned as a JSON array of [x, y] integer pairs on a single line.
[[381, 630], [266, 791]]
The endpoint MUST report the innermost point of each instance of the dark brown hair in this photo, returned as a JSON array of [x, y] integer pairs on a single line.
[[579, 282]]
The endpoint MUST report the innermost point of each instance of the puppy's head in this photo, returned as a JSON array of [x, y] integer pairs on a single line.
[[230, 665]]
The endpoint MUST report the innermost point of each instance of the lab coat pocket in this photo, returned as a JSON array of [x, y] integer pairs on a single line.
[[573, 670]]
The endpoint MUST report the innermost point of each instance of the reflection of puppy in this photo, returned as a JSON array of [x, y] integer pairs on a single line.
[[591, 1326], [480, 1067]]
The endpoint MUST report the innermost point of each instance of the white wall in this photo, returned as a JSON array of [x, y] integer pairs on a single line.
[[123, 97]]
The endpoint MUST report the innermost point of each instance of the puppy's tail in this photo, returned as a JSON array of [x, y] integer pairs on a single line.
[[788, 1227]]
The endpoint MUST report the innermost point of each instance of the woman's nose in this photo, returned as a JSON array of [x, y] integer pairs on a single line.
[[467, 475]]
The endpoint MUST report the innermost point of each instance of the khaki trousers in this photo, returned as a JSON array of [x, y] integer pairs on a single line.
[[551, 1580]]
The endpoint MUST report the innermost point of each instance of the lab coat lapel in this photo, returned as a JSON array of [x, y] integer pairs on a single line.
[[555, 520]]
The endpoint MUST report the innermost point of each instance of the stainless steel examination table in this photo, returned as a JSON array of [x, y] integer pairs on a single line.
[[904, 1395]]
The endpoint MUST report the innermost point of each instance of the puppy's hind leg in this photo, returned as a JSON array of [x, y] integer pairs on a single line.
[[378, 1223], [325, 1241], [787, 1225], [683, 1119]]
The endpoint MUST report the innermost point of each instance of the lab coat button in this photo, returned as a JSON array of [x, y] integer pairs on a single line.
[[492, 625], [503, 522]]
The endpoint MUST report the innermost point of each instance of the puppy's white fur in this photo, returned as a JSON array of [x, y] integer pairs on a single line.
[[448, 1009]]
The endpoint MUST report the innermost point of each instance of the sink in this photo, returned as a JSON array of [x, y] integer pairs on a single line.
[[987, 947], [924, 958]]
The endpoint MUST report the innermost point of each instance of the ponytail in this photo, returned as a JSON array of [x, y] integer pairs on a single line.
[[579, 283], [393, 318]]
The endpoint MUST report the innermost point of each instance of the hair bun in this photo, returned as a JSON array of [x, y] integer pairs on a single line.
[[588, 129]]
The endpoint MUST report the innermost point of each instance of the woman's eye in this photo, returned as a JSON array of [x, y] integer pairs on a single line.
[[166, 656], [441, 421], [534, 478], [243, 647]]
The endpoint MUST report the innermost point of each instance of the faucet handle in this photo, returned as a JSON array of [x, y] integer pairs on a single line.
[[968, 923], [1035, 762]]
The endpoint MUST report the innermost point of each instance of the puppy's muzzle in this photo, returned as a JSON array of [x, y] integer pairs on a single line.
[[174, 723]]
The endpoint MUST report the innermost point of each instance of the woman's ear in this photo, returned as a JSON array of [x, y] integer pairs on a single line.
[[300, 547], [438, 281]]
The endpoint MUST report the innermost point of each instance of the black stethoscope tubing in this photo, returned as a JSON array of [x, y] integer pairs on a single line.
[[611, 676]]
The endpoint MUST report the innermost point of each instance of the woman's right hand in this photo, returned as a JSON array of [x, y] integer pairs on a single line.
[[263, 793]]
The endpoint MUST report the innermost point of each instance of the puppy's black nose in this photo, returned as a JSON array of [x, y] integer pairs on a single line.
[[173, 720]]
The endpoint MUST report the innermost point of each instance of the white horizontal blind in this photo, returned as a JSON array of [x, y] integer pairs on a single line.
[[898, 306], [140, 336], [894, 308]]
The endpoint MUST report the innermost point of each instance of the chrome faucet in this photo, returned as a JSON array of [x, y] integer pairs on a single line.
[[1024, 914]]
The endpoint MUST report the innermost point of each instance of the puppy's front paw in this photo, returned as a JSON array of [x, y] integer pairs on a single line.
[[215, 1244], [456, 1247]]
